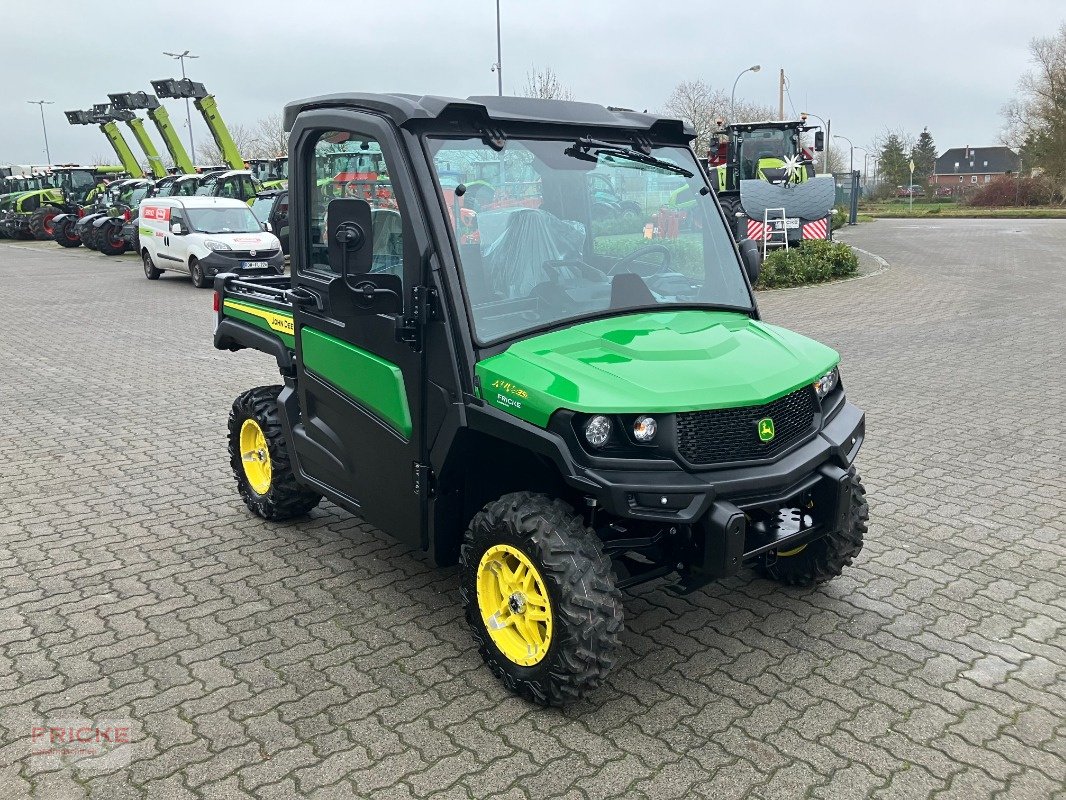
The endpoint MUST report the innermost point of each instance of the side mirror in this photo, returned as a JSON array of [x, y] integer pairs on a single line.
[[177, 229], [350, 238], [268, 227], [819, 141], [749, 252]]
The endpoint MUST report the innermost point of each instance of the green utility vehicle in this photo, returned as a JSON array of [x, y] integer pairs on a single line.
[[563, 410]]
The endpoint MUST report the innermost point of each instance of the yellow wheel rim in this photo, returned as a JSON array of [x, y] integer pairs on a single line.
[[255, 456], [514, 604]]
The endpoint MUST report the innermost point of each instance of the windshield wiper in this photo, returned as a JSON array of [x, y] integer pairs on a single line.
[[580, 149]]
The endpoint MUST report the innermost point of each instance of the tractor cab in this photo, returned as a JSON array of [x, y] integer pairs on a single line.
[[761, 151], [273, 173], [77, 183]]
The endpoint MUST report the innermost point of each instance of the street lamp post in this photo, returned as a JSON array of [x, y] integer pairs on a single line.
[[846, 139], [826, 124], [733, 94], [188, 113], [498, 66], [41, 104], [865, 156]]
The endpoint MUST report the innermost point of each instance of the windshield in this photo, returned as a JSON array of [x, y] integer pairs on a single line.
[[223, 220], [207, 185], [548, 232], [763, 144], [260, 206]]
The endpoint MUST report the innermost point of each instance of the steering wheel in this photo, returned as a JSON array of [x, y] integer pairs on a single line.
[[642, 251], [587, 271]]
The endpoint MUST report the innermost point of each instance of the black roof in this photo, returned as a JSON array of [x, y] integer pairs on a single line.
[[999, 159], [407, 108]]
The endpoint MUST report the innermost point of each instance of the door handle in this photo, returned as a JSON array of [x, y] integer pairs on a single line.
[[302, 297]]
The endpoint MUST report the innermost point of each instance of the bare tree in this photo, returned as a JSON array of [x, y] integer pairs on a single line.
[[700, 105], [545, 85], [1036, 120], [706, 108], [838, 158], [270, 136], [248, 146]]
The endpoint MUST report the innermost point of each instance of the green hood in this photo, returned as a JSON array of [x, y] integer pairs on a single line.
[[656, 362]]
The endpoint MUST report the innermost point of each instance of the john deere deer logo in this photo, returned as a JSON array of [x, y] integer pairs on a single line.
[[766, 429]]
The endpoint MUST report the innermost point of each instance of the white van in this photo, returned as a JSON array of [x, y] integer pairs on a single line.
[[204, 236]]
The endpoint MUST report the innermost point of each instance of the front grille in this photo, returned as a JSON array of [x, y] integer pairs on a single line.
[[731, 434], [260, 255]]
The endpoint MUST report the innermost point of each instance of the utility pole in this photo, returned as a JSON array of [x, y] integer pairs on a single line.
[[188, 113], [781, 96], [498, 66], [41, 104]]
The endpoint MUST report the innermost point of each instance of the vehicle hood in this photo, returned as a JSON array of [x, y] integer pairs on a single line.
[[244, 241], [655, 362]]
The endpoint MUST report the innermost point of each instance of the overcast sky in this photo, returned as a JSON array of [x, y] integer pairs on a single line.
[[946, 64]]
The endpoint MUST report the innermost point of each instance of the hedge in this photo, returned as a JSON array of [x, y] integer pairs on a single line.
[[814, 261]]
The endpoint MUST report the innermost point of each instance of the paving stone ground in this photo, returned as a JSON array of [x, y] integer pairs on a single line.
[[321, 659]]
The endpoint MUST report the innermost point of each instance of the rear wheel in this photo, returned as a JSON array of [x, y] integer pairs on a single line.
[[150, 272], [196, 272], [41, 222], [88, 236], [64, 233], [259, 456], [824, 559], [112, 242], [540, 598]]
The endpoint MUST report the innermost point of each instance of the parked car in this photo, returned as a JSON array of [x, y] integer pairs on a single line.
[[203, 236], [914, 190]]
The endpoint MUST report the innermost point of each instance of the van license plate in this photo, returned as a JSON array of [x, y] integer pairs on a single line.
[[254, 265]]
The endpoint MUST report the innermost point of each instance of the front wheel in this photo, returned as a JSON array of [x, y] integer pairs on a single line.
[[196, 272], [259, 457], [540, 598], [63, 232], [150, 272], [112, 242], [41, 222], [825, 559]]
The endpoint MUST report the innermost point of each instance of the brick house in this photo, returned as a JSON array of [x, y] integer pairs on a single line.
[[963, 168]]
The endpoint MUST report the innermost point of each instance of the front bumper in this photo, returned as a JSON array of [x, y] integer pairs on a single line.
[[689, 496], [215, 264], [726, 510]]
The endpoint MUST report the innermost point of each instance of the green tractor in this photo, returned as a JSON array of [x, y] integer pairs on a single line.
[[12, 188], [69, 189], [765, 181]]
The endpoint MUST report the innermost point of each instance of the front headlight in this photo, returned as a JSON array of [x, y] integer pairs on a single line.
[[598, 430], [217, 246], [827, 383]]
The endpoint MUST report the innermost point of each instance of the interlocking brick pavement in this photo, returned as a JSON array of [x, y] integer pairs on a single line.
[[323, 659]]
